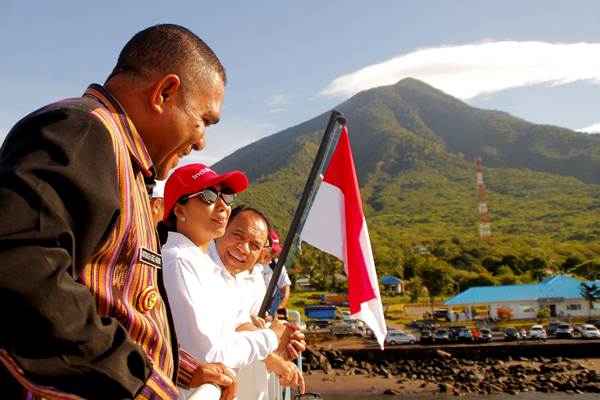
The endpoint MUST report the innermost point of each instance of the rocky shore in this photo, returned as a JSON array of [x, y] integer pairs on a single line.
[[444, 373]]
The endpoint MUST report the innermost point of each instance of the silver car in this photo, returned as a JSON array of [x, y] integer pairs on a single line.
[[537, 332], [564, 331], [589, 331], [399, 337]]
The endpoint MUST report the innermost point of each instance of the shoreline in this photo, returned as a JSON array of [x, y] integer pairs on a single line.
[[344, 372], [338, 383]]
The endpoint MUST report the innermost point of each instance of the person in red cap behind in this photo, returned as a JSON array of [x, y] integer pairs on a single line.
[[268, 261], [205, 310]]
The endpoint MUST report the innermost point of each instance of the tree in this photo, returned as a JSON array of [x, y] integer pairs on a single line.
[[542, 314], [414, 288], [321, 267], [436, 277], [590, 293], [504, 313]]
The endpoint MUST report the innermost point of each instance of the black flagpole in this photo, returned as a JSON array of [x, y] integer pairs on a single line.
[[336, 117]]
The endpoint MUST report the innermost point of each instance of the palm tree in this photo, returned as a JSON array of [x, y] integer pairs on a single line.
[[590, 293]]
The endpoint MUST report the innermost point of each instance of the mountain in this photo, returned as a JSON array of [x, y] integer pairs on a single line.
[[414, 148]]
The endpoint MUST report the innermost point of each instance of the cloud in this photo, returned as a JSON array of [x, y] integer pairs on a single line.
[[470, 70], [277, 100], [590, 129], [277, 110], [276, 103]]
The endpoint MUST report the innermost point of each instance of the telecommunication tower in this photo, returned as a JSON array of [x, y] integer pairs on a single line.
[[485, 231]]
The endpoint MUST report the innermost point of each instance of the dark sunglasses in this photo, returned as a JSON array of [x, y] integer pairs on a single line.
[[210, 195]]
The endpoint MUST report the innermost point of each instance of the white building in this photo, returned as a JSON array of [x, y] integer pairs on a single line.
[[561, 294]]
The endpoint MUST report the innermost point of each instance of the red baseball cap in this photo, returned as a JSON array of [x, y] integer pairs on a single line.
[[275, 246], [193, 178]]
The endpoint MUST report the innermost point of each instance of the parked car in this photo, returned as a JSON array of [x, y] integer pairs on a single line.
[[595, 322], [484, 335], [464, 335], [453, 330], [424, 324], [589, 331], [564, 331], [399, 337], [348, 327], [426, 336], [357, 324], [537, 332], [552, 326], [442, 335], [511, 334]]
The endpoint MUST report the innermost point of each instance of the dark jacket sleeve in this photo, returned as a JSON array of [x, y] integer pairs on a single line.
[[59, 199]]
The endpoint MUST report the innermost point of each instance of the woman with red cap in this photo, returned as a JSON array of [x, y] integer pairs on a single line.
[[205, 307]]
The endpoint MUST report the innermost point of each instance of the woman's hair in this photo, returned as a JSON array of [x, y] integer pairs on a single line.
[[169, 224]]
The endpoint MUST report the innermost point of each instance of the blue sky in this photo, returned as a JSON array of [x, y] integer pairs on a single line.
[[289, 61]]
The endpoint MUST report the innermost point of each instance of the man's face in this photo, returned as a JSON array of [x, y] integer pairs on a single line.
[[265, 256], [183, 124], [243, 241]]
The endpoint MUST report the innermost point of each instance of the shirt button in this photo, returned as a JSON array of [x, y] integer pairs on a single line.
[[147, 299]]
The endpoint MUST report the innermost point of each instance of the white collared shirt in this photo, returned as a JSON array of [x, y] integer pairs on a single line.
[[207, 310], [284, 279], [253, 379]]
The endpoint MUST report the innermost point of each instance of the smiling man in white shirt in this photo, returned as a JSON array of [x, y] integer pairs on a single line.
[[237, 251]]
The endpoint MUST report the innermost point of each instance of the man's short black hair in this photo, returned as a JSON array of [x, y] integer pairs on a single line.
[[165, 49], [243, 208]]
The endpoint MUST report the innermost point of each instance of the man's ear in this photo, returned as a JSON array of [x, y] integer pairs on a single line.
[[164, 91], [155, 204]]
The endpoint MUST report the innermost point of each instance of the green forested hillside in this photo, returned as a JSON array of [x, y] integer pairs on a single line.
[[414, 149]]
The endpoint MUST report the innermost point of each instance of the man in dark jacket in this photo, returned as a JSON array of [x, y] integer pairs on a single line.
[[80, 284]]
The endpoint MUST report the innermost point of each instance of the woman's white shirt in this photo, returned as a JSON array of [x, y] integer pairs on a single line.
[[205, 303]]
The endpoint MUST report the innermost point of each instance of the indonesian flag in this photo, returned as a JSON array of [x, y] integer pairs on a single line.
[[336, 224]]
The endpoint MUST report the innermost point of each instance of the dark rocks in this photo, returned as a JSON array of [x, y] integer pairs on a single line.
[[443, 354], [459, 376], [445, 387]]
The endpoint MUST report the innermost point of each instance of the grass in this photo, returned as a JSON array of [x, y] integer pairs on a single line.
[[393, 304]]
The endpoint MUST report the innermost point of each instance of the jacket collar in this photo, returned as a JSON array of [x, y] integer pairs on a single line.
[[123, 123]]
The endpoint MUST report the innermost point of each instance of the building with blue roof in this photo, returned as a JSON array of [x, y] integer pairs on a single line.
[[559, 293], [391, 283]]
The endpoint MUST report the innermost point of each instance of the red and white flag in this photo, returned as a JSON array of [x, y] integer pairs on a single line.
[[336, 224]]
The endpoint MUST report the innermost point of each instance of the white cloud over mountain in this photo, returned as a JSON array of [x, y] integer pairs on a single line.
[[591, 129], [277, 103], [470, 70]]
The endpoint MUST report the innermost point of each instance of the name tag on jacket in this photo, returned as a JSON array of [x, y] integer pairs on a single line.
[[151, 258]]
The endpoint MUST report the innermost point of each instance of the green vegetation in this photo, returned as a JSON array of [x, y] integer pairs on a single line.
[[414, 148], [591, 293]]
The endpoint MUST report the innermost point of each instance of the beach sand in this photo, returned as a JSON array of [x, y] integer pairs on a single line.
[[360, 385]]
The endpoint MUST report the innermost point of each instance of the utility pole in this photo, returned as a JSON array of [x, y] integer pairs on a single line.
[[485, 231]]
